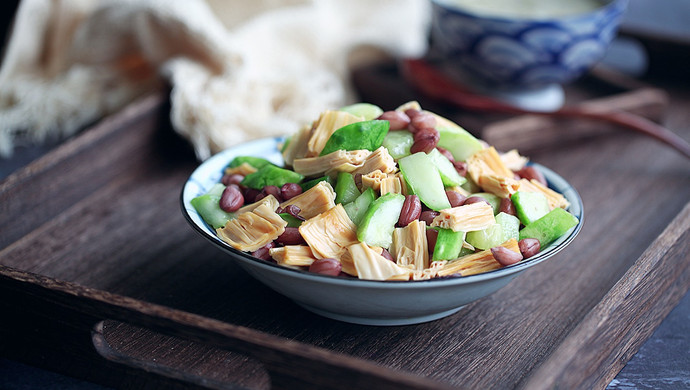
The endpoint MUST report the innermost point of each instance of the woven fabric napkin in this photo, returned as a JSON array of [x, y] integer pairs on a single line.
[[239, 70]]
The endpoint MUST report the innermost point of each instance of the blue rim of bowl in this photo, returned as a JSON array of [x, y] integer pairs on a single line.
[[610, 6], [211, 171]]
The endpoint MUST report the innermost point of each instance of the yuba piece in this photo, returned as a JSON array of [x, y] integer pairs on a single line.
[[466, 218], [252, 230], [329, 233], [410, 247]]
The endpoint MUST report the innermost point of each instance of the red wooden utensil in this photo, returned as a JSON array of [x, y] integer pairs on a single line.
[[428, 80]]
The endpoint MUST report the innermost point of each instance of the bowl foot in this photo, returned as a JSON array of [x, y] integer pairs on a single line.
[[546, 99], [380, 321]]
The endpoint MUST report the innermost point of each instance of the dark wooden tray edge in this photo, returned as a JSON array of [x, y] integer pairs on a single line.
[[287, 362], [641, 299]]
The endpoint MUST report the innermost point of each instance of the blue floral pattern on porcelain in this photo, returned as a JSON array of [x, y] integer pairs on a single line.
[[523, 53]]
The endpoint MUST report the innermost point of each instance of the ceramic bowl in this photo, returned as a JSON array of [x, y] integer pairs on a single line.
[[354, 300], [522, 52]]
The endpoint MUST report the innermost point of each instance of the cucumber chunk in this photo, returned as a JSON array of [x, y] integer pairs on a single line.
[[550, 227], [256, 162], [367, 111], [208, 207], [216, 190], [357, 136], [529, 206], [494, 200], [448, 244], [487, 238], [398, 143], [291, 220], [377, 225], [458, 142], [311, 183], [510, 225], [346, 190], [449, 175], [270, 175], [357, 208], [423, 180]]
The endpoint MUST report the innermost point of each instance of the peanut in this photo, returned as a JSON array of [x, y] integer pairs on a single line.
[[234, 178], [326, 266], [263, 253], [423, 120], [446, 153], [505, 256], [431, 236], [291, 236], [476, 199], [411, 210], [532, 173], [290, 190], [425, 141], [461, 167], [455, 198], [507, 206], [232, 199], [397, 120], [529, 247], [428, 216]]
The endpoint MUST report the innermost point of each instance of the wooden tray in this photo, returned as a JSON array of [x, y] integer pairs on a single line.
[[102, 279]]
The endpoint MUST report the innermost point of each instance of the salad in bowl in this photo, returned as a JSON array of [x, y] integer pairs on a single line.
[[363, 198]]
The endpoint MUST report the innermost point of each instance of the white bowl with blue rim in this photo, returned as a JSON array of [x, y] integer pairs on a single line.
[[512, 50], [362, 301]]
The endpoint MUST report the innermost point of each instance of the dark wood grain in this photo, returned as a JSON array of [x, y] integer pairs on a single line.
[[628, 312], [110, 260], [288, 363]]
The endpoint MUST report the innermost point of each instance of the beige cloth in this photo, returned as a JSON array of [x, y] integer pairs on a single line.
[[239, 69]]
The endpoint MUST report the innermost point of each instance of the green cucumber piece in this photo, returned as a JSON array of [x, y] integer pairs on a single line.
[[510, 225], [449, 175], [346, 190], [286, 144], [494, 200], [448, 244], [357, 208], [216, 190], [291, 220], [530, 206], [460, 143], [470, 186], [209, 209], [465, 251], [423, 180], [550, 227], [357, 136], [311, 183], [367, 111], [488, 238], [256, 162], [271, 175], [398, 143], [377, 225]]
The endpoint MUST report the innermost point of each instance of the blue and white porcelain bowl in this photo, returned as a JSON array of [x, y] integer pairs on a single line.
[[521, 51], [367, 302]]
